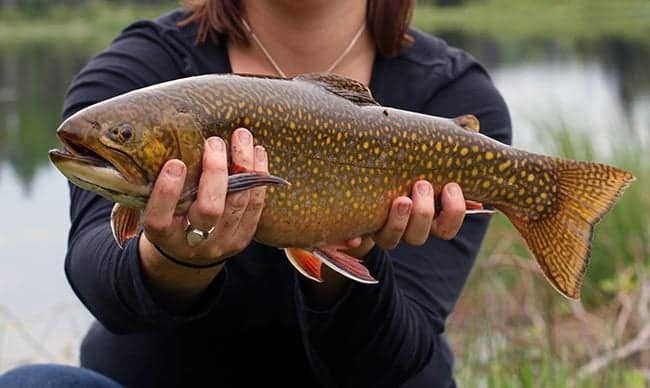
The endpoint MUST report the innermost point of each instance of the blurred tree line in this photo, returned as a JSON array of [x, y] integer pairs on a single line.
[[41, 4], [44, 4]]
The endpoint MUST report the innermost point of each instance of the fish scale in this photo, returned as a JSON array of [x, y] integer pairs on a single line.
[[347, 158]]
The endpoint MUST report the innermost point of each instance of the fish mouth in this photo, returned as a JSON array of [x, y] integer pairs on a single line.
[[89, 170]]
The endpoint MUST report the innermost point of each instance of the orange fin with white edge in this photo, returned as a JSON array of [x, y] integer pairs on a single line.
[[346, 265], [305, 262], [124, 223]]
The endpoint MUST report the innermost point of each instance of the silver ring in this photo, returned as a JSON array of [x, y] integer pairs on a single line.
[[195, 236]]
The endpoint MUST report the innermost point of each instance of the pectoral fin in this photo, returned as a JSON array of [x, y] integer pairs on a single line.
[[474, 207], [124, 223], [249, 180]]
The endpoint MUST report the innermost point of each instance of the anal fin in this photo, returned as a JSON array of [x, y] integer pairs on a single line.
[[124, 223], [305, 262]]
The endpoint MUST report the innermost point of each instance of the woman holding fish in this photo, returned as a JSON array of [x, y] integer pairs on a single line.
[[193, 300]]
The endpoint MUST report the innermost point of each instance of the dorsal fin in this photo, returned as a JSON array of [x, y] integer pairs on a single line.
[[469, 122], [347, 88]]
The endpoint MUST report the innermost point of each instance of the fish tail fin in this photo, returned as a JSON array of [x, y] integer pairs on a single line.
[[560, 237]]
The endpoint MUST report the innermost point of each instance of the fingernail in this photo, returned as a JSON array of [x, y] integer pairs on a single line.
[[260, 153], [174, 169], [244, 137], [424, 188], [403, 209], [216, 144], [453, 190]]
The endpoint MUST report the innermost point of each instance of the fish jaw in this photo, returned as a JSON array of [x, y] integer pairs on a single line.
[[82, 134], [96, 175]]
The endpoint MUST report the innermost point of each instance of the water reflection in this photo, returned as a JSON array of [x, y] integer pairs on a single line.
[[625, 61], [582, 97], [33, 80], [602, 88]]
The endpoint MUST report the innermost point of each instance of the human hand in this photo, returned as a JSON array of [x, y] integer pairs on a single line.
[[233, 216], [413, 219]]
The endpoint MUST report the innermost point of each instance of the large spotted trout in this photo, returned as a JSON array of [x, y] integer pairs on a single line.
[[346, 158]]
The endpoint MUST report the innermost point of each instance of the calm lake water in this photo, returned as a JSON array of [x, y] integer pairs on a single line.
[[600, 88]]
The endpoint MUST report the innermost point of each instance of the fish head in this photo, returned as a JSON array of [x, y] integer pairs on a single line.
[[117, 148]]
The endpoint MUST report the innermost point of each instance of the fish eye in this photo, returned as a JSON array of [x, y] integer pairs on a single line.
[[121, 133], [126, 131]]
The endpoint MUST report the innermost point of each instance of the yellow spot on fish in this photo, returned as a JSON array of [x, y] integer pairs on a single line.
[[531, 178], [464, 151], [489, 155], [486, 184], [438, 146], [504, 165]]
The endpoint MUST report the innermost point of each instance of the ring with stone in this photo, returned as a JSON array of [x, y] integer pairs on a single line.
[[195, 236]]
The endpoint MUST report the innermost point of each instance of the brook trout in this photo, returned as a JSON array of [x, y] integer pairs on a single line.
[[346, 158]]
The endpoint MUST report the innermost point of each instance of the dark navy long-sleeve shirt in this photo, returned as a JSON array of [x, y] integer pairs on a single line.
[[252, 325]]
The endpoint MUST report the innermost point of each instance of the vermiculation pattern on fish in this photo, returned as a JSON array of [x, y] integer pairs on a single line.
[[347, 158]]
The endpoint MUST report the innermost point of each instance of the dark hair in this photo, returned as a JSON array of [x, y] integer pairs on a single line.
[[387, 22]]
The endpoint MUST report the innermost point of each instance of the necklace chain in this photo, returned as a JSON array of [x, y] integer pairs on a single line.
[[275, 65]]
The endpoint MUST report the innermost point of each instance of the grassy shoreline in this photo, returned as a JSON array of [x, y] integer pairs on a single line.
[[97, 23]]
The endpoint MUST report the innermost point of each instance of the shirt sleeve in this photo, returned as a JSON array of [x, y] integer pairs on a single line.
[[390, 334], [109, 280]]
